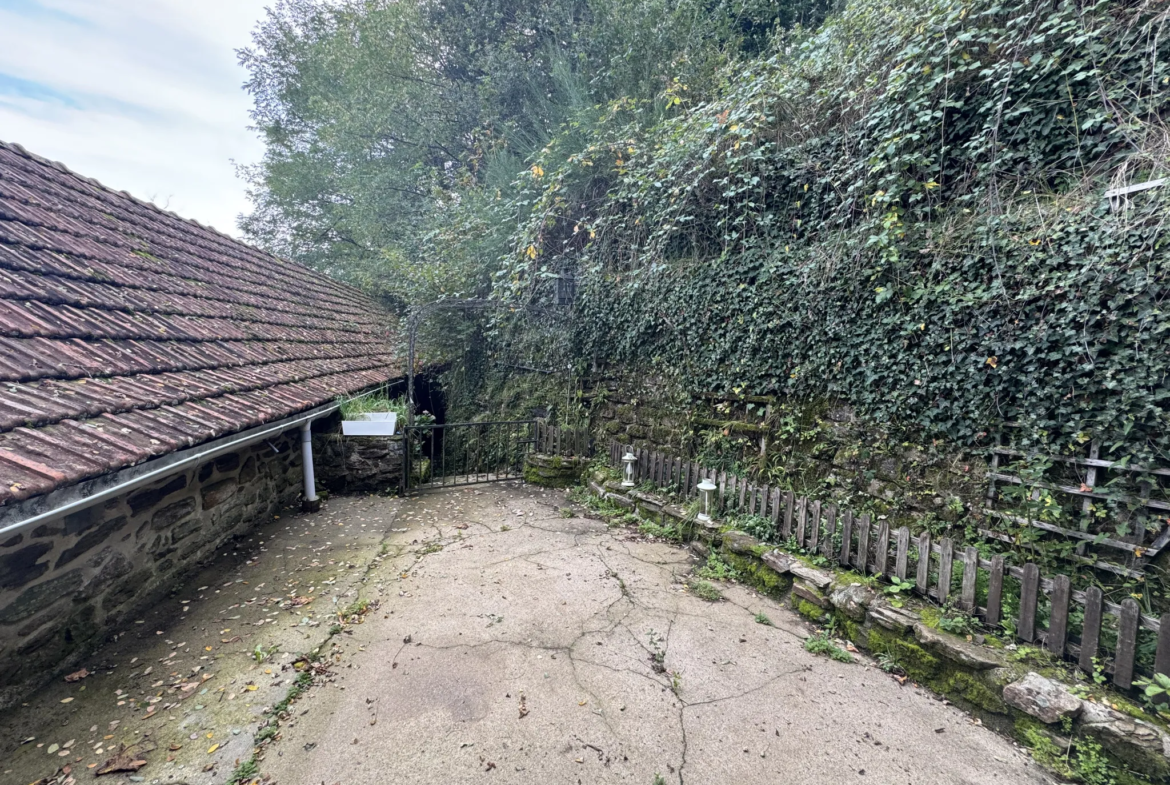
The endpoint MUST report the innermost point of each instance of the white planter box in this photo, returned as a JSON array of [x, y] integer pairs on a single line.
[[372, 424]]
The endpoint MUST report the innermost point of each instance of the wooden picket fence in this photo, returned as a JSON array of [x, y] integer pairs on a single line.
[[554, 440], [855, 543]]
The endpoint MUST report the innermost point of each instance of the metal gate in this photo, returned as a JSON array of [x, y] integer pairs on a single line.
[[467, 453]]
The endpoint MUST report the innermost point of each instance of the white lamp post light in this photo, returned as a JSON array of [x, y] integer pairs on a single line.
[[705, 488], [629, 459]]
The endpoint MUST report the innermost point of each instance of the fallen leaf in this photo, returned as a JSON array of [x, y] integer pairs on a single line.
[[212, 748], [77, 675], [67, 700], [122, 761]]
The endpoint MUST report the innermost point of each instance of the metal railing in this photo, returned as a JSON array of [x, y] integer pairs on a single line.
[[446, 455]]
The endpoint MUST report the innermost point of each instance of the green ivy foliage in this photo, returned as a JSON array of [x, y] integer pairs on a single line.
[[903, 210]]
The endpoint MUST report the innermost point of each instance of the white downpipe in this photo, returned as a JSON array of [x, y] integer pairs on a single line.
[[307, 460]]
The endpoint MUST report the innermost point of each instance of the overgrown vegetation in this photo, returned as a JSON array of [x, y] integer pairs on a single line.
[[352, 407], [896, 206], [821, 643]]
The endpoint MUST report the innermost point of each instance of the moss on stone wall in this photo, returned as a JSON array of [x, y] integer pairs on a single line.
[[758, 575]]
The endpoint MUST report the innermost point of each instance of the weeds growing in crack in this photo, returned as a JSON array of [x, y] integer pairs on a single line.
[[705, 590], [657, 653], [762, 619], [821, 644], [717, 570], [676, 683]]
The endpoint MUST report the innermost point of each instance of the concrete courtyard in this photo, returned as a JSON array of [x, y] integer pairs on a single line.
[[510, 639]]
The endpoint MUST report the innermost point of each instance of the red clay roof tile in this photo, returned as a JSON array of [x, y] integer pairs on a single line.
[[127, 332]]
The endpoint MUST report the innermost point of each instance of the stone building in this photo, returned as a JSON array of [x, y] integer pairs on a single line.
[[160, 380]]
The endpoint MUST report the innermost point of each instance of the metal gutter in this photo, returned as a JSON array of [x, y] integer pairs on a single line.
[[77, 497]]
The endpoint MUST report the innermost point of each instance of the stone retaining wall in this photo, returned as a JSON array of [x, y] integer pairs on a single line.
[[68, 583], [1018, 690], [72, 581]]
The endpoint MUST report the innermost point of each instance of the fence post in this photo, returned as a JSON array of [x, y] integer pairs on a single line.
[[902, 554], [801, 519], [789, 500], [1091, 629], [1029, 595], [946, 561], [862, 560], [995, 591], [1127, 628], [830, 530], [846, 538], [1058, 619], [923, 583], [882, 555], [814, 526], [970, 575]]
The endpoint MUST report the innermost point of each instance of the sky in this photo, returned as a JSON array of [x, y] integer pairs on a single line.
[[143, 95]]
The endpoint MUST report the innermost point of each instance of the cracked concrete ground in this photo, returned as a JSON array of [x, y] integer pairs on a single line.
[[516, 645], [509, 644]]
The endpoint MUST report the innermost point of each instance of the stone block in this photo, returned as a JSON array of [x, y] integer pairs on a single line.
[[91, 540], [952, 647], [779, 561], [852, 599], [219, 492], [1142, 746], [892, 619], [700, 549], [1044, 699], [144, 500], [227, 463], [740, 542], [37, 598], [22, 566], [818, 579], [809, 593]]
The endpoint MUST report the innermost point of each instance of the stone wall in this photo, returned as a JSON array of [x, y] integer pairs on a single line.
[[68, 583], [355, 464], [819, 450]]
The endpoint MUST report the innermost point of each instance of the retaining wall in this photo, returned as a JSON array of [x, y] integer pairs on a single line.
[[69, 583]]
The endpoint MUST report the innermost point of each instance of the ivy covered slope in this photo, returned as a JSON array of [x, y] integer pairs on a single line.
[[904, 209]]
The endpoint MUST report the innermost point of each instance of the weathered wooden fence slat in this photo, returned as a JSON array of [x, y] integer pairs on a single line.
[[846, 538], [946, 562], [1029, 596], [1162, 654], [970, 574], [882, 550], [1058, 617], [814, 525], [923, 578], [1124, 655], [789, 501], [1091, 629], [862, 560], [801, 519], [830, 530], [995, 592], [901, 552]]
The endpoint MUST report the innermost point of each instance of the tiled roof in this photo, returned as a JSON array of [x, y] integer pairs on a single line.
[[127, 332]]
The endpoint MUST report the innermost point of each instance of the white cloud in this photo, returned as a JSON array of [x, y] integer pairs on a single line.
[[143, 95]]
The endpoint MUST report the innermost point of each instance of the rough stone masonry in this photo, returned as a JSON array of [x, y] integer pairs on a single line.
[[69, 583]]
